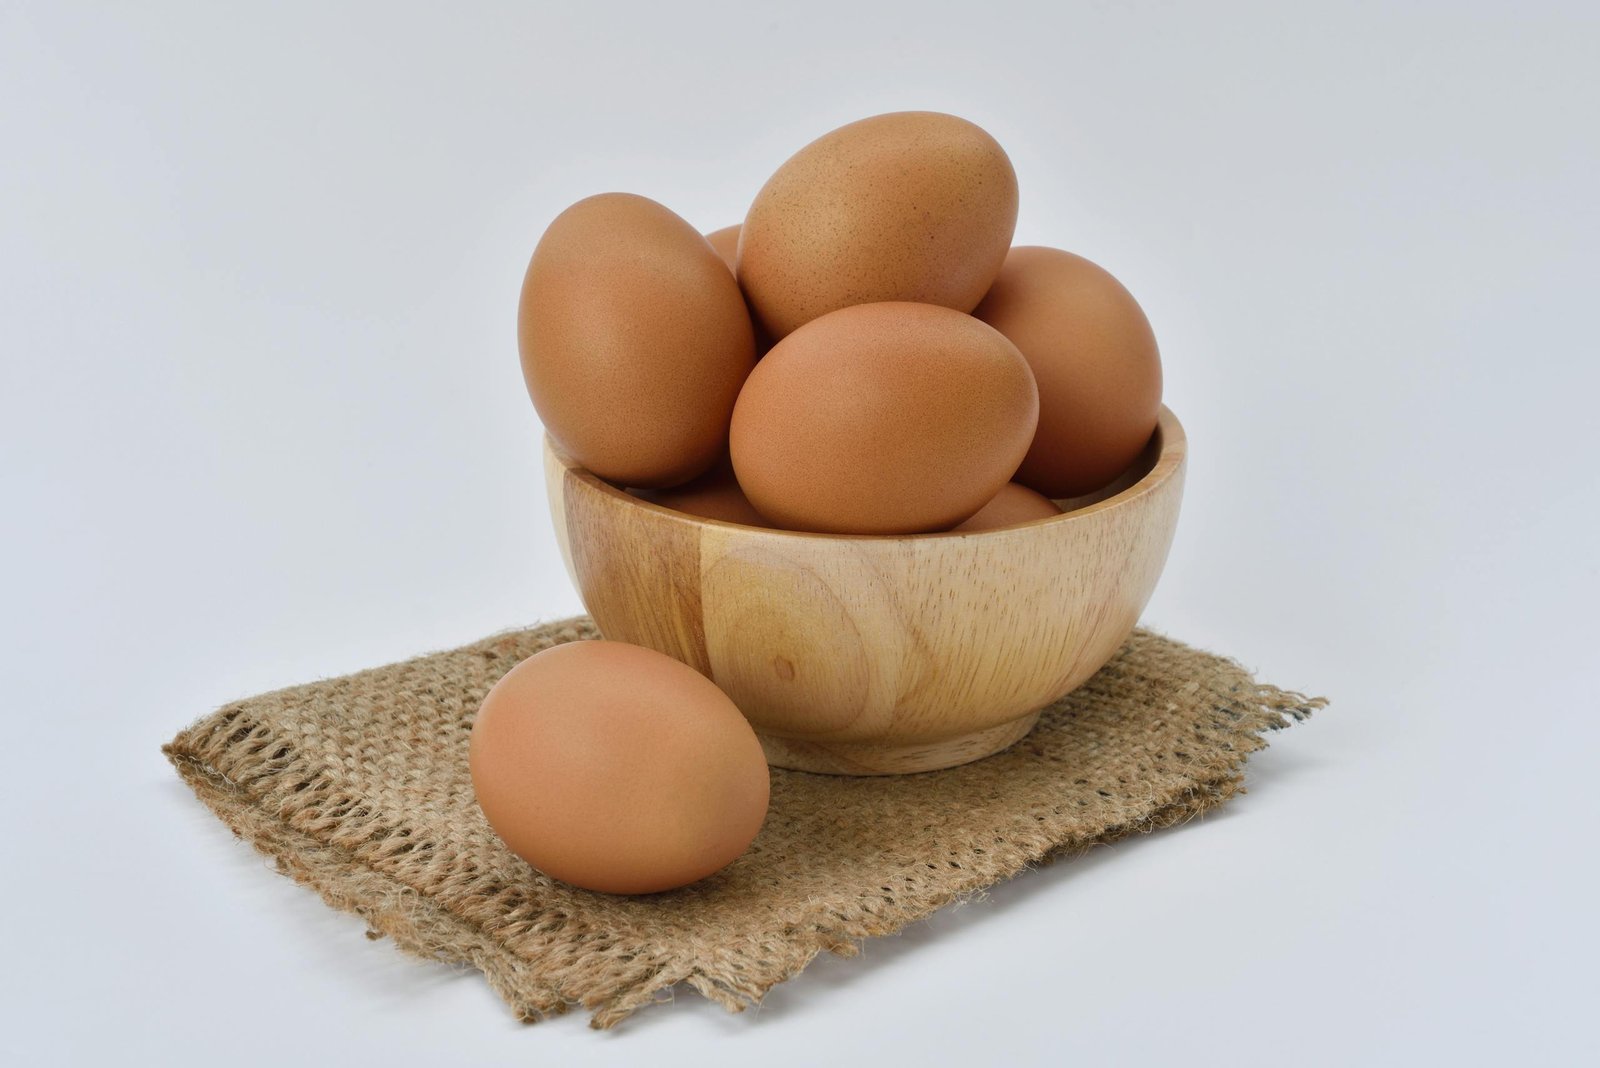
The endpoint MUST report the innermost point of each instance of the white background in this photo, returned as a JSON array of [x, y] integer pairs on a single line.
[[262, 421]]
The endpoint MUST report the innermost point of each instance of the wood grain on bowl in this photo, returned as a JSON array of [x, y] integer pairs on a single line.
[[876, 655]]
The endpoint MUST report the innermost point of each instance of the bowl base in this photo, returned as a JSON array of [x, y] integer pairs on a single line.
[[872, 758]]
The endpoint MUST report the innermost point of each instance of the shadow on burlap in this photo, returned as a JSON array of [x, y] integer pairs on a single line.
[[358, 787]]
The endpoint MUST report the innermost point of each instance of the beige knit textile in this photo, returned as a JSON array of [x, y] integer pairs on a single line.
[[358, 787]]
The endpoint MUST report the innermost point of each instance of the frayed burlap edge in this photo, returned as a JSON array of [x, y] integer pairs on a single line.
[[420, 927]]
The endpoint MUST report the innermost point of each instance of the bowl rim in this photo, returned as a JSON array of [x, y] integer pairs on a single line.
[[1171, 453]]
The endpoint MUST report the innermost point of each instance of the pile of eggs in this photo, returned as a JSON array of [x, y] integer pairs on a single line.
[[866, 354]]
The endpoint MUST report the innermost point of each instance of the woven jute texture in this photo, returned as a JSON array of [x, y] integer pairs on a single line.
[[358, 787]]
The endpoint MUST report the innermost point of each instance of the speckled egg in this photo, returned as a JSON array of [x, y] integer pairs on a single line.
[[635, 340], [910, 206], [889, 418]]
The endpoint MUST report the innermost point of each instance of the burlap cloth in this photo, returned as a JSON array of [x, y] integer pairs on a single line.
[[358, 787]]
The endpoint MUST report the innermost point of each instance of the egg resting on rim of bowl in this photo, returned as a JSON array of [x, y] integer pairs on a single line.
[[1095, 359], [635, 340], [890, 418]]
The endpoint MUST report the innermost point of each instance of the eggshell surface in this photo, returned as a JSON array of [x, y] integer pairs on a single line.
[[714, 495], [635, 340], [726, 243], [910, 206], [1095, 359], [889, 418], [1013, 505], [616, 768]]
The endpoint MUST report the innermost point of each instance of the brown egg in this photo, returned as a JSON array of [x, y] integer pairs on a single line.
[[616, 768], [714, 495], [888, 418], [635, 340], [726, 242], [1096, 362], [1012, 506], [1129, 478], [911, 206]]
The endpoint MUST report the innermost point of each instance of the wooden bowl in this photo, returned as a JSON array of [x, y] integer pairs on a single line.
[[871, 655]]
